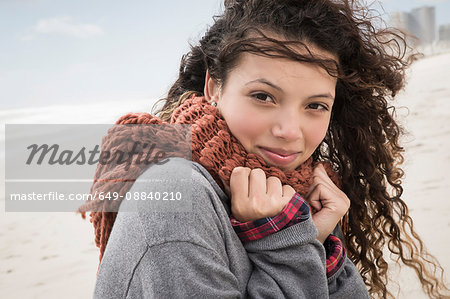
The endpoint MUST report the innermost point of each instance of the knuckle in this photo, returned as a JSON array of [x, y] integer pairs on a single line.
[[318, 174], [345, 206], [348, 203], [288, 187], [273, 179], [237, 169], [288, 190], [316, 179], [240, 170], [257, 171]]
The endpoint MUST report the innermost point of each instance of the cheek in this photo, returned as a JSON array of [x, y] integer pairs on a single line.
[[315, 134], [245, 126]]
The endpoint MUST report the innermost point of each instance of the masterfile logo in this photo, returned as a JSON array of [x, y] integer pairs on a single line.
[[53, 167]]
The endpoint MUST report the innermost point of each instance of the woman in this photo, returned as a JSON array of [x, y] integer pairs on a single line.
[[288, 102]]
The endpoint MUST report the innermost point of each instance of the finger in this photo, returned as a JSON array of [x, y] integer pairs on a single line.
[[337, 202], [319, 180], [287, 194], [239, 181], [288, 191], [274, 188], [313, 198], [331, 191], [315, 181], [257, 183], [320, 172]]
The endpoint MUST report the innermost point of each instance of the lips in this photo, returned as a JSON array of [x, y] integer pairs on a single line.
[[281, 152], [279, 156]]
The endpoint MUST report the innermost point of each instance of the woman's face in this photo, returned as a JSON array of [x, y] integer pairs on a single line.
[[277, 108]]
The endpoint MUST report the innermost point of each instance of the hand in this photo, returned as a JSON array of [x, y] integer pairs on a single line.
[[254, 197], [329, 204]]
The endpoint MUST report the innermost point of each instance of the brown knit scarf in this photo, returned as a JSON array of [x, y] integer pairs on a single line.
[[213, 146]]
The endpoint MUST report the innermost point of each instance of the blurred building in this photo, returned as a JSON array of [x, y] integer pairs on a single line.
[[401, 20], [420, 22], [424, 24], [444, 33]]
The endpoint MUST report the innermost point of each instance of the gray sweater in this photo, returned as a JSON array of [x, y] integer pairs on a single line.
[[187, 248]]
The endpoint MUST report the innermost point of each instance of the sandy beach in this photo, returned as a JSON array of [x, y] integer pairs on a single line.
[[53, 255]]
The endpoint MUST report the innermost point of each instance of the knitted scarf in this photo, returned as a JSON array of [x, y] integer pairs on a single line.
[[213, 146]]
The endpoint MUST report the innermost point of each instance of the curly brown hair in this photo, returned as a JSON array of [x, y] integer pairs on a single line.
[[362, 142]]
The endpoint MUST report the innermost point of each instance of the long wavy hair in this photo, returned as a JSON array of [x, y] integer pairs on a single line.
[[362, 141]]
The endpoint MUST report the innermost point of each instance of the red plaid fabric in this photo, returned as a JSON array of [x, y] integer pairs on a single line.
[[335, 251], [297, 210]]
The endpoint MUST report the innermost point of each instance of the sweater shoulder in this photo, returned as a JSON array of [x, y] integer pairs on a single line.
[[181, 171], [177, 201], [182, 179]]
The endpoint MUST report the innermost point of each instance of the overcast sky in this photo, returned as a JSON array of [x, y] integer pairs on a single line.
[[58, 52]]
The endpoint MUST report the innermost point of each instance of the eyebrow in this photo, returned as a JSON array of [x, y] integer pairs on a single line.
[[265, 81]]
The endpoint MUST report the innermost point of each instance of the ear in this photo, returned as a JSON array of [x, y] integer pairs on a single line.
[[211, 90]]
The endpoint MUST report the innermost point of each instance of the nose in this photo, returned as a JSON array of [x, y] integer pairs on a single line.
[[287, 125]]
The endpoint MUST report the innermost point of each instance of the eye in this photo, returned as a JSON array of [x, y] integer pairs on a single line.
[[262, 97], [318, 106]]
